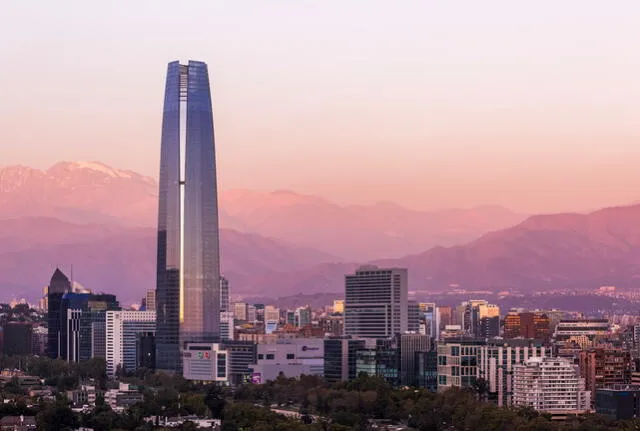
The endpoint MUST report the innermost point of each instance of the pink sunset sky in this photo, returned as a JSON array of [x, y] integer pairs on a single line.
[[431, 104]]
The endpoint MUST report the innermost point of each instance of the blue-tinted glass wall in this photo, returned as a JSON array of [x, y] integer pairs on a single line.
[[188, 286]]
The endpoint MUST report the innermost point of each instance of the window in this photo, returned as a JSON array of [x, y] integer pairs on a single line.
[[260, 356], [270, 356], [291, 356]]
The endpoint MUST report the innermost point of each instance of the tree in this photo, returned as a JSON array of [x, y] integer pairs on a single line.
[[214, 399], [57, 417]]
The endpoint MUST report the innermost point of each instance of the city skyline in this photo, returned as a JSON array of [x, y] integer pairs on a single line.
[[532, 107]]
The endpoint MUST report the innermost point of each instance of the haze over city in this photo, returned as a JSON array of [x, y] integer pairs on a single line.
[[430, 105]]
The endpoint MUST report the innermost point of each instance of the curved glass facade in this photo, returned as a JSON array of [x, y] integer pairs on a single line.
[[188, 271]]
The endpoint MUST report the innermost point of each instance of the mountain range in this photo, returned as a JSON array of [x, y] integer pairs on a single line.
[[91, 192], [100, 219]]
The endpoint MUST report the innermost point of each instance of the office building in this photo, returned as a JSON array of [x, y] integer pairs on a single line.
[[39, 340], [224, 294], [496, 361], [146, 350], [289, 357], [549, 385], [338, 306], [332, 325], [413, 316], [18, 338], [605, 366], [150, 300], [618, 402], [188, 265], [458, 362], [205, 362], [410, 345], [227, 325], [123, 330], [241, 355], [583, 332], [340, 355], [252, 313], [427, 370], [303, 316], [429, 317], [526, 325], [445, 315], [58, 286], [83, 325], [376, 303], [240, 311]]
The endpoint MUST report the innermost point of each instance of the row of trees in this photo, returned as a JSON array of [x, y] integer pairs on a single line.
[[358, 403], [350, 405]]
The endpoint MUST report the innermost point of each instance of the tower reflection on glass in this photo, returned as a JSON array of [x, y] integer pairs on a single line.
[[188, 265]]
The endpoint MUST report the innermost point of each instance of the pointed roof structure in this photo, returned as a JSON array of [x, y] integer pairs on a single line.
[[59, 282]]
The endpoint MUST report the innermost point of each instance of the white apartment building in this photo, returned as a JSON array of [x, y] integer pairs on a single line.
[[550, 385], [496, 362], [123, 328]]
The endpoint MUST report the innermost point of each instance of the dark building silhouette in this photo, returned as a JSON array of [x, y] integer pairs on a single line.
[[146, 349], [188, 263], [58, 286], [82, 317], [241, 355], [340, 358], [618, 402], [18, 338]]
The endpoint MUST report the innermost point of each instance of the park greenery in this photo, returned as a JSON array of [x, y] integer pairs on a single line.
[[361, 404]]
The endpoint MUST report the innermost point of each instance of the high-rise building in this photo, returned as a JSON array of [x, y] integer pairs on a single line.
[[604, 366], [429, 319], [146, 350], [444, 312], [240, 311], [338, 306], [252, 313], [188, 266], [224, 294], [124, 329], [410, 345], [150, 300], [83, 325], [227, 325], [303, 316], [376, 302], [58, 286], [413, 316], [550, 385], [496, 360]]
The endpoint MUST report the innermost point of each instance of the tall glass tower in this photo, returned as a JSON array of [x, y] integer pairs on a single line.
[[188, 271]]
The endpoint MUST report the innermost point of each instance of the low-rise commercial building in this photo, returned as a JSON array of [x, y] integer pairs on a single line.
[[289, 357]]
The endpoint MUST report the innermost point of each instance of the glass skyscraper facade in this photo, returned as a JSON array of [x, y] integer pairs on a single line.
[[188, 265]]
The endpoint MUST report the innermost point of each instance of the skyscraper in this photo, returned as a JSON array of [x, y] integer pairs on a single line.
[[188, 265], [376, 302], [224, 294], [58, 286]]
